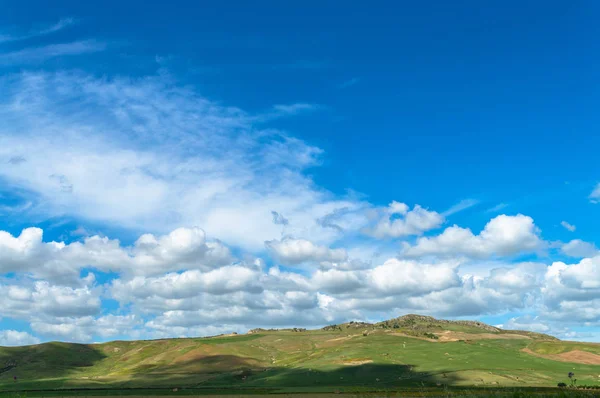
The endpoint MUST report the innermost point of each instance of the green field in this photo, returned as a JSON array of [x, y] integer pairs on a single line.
[[415, 355]]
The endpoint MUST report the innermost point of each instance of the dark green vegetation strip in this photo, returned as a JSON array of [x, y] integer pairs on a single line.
[[421, 392]]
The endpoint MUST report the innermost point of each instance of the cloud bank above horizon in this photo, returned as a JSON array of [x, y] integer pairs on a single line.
[[175, 215]]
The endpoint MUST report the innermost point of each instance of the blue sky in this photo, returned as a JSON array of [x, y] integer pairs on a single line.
[[193, 168]]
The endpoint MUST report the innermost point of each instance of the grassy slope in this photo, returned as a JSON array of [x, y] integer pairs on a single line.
[[299, 361]]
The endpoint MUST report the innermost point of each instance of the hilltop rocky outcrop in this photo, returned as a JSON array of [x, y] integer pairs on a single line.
[[429, 327]]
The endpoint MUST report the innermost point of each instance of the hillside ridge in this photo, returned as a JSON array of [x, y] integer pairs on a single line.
[[404, 351], [427, 326]]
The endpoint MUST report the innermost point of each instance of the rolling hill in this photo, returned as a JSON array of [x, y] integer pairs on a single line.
[[405, 352]]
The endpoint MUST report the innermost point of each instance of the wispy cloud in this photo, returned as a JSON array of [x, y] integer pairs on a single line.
[[284, 110], [568, 226], [349, 83], [38, 54], [460, 206], [279, 219], [497, 208], [60, 25], [17, 159], [4, 209], [303, 64], [63, 23], [294, 108], [595, 195], [184, 160]]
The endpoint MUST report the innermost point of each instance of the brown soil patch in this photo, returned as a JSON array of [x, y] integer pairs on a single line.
[[575, 356], [449, 335], [583, 357]]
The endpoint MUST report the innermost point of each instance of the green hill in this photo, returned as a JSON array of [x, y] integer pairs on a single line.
[[407, 352]]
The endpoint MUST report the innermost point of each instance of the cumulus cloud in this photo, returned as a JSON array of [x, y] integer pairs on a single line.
[[583, 276], [296, 251], [571, 291], [21, 300], [399, 221], [83, 329], [527, 322], [188, 284], [156, 159], [401, 277], [337, 281], [579, 248], [183, 248], [10, 338], [170, 287], [438, 290], [503, 235]]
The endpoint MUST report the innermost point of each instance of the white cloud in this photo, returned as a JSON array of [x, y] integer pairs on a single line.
[[224, 280], [337, 281], [168, 285], [42, 31], [34, 300], [349, 83], [409, 222], [460, 206], [571, 293], [595, 195], [579, 248], [522, 277], [527, 322], [497, 208], [568, 226], [503, 235], [39, 54], [584, 275], [401, 277], [183, 248], [283, 110], [157, 159], [148, 155], [82, 329], [296, 251], [9, 338], [279, 219]]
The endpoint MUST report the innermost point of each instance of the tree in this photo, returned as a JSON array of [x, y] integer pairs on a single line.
[[573, 380]]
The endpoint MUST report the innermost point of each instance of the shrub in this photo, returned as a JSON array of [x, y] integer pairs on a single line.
[[562, 385]]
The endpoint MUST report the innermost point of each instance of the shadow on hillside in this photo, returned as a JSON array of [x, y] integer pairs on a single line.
[[65, 362], [50, 360], [231, 371]]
